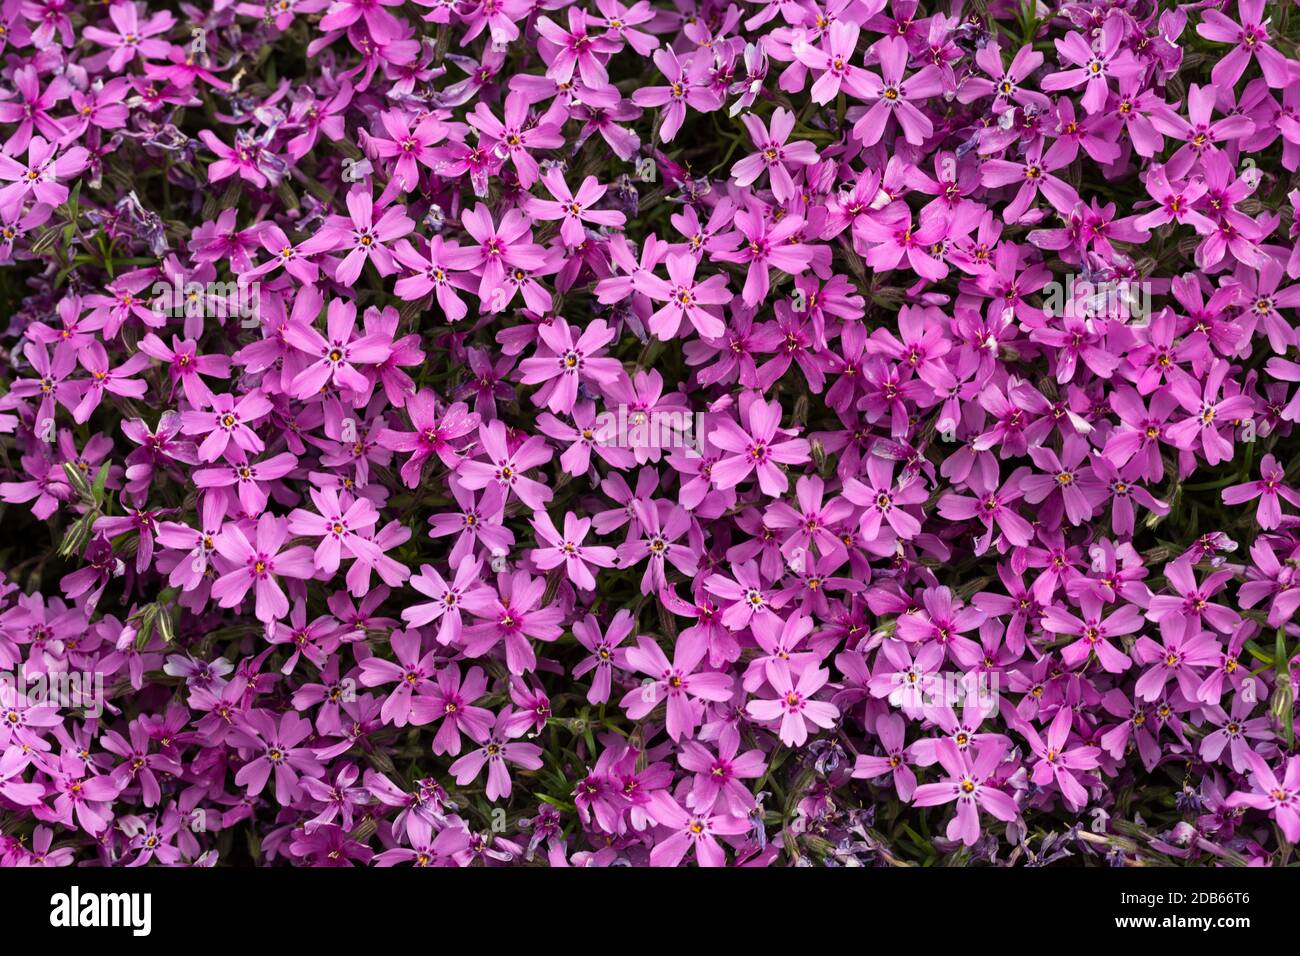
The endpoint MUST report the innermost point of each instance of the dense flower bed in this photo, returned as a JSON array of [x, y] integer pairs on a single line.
[[494, 432]]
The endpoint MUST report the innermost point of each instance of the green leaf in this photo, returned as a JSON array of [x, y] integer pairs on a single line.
[[100, 480]]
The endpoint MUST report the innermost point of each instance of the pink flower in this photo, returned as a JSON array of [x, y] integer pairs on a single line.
[[277, 752], [1056, 764], [451, 701], [508, 246], [763, 247], [496, 751], [435, 434], [684, 298], [687, 86], [570, 364], [754, 448], [244, 159], [1093, 65], [228, 420], [834, 63], [969, 785], [691, 831], [793, 705], [605, 653], [409, 145], [896, 96], [258, 565], [132, 37], [505, 466], [38, 178], [411, 673], [512, 619], [774, 154], [575, 47], [248, 478], [568, 550], [1270, 487], [1280, 798], [338, 524], [1251, 43], [335, 357], [515, 136], [103, 378], [678, 682], [466, 592], [573, 208], [364, 238], [1093, 632], [890, 728]]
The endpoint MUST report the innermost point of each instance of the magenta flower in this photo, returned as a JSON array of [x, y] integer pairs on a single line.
[[40, 177], [500, 248], [257, 565], [1057, 764], [1181, 652], [605, 653], [833, 61], [793, 705], [30, 108], [505, 466], [1209, 412], [278, 752], [132, 37], [496, 751], [243, 160], [691, 831], [1269, 489], [679, 682], [719, 777], [435, 434], [464, 592], [573, 209], [571, 363], [686, 88], [775, 154], [754, 448], [568, 550], [684, 298], [969, 784], [436, 272], [1094, 632], [103, 378], [365, 238], [517, 134], [1250, 38], [896, 96], [229, 420], [1093, 66], [451, 702], [763, 247], [408, 144], [411, 673], [890, 728], [576, 47], [249, 479], [339, 525], [1280, 798], [512, 620]]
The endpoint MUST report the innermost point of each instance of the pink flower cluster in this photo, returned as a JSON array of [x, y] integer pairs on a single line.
[[808, 432]]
